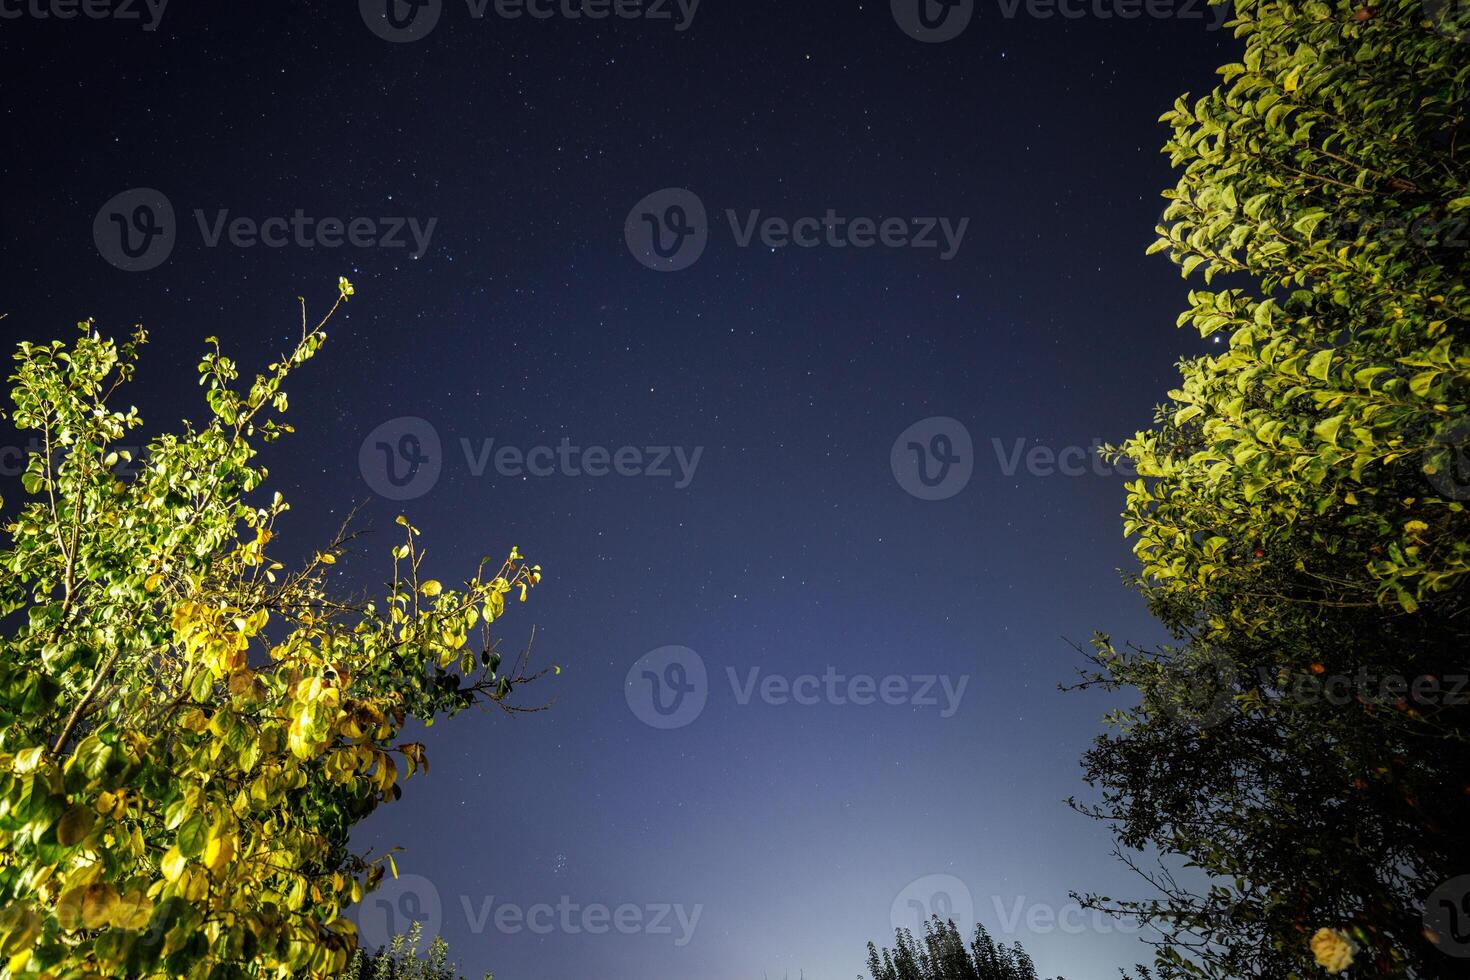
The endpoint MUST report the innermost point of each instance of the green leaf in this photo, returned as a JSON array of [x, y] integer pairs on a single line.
[[191, 836], [75, 825], [200, 686], [1309, 221], [1423, 382], [1320, 366], [1326, 430]]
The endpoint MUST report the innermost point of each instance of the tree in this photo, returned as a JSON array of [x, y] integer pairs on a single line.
[[942, 955], [400, 960], [1299, 517], [188, 729]]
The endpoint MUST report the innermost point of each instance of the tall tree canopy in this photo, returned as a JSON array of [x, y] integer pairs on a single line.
[[1300, 517], [943, 955], [402, 959], [188, 728]]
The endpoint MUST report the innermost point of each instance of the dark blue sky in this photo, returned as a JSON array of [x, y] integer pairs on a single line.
[[792, 549]]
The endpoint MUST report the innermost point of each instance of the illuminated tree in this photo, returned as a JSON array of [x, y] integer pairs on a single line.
[[1299, 516], [188, 728], [401, 959]]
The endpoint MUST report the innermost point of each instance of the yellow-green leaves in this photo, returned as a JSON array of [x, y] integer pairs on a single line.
[[1320, 366], [75, 825], [219, 846], [85, 906], [19, 926], [314, 712], [1346, 361], [1326, 430], [28, 759], [173, 863], [192, 818], [190, 839], [132, 910], [98, 903]]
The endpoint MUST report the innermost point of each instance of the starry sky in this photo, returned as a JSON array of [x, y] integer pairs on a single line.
[[826, 470]]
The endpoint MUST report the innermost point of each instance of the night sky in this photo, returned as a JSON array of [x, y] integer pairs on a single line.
[[861, 706]]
